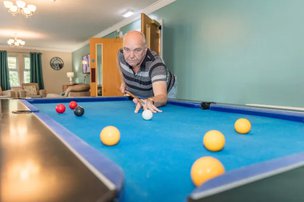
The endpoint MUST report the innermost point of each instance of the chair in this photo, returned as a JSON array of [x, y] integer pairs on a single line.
[[8, 94], [78, 90], [31, 90]]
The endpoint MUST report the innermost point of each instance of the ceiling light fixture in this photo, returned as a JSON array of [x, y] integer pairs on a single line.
[[20, 8], [128, 13], [16, 42]]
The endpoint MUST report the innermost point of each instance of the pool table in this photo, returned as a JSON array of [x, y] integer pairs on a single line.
[[153, 159]]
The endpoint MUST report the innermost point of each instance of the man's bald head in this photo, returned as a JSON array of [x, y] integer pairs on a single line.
[[134, 48], [135, 37]]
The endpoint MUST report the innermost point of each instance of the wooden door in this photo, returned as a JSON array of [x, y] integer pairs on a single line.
[[152, 31], [109, 71]]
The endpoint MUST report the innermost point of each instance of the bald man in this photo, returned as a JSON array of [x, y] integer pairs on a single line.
[[143, 73]]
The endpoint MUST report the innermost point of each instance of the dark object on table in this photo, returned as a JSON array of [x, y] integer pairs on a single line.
[[79, 111], [206, 105]]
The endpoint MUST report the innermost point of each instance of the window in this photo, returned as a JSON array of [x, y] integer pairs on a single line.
[[13, 71], [19, 69]]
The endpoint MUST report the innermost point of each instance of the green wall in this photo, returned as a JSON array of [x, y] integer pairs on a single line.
[[77, 64], [236, 51]]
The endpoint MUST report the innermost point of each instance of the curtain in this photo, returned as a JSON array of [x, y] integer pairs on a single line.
[[36, 69], [4, 74]]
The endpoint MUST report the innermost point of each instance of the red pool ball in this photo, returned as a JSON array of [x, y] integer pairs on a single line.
[[60, 108], [73, 104]]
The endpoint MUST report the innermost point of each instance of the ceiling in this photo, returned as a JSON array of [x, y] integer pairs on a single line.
[[65, 24]]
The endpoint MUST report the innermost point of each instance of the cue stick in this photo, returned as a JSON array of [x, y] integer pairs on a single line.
[[135, 97]]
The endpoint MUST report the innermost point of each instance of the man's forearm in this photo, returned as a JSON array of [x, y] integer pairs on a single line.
[[159, 100]]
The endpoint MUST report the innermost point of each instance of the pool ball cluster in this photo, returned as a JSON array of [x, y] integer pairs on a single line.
[[73, 105], [207, 167], [203, 169]]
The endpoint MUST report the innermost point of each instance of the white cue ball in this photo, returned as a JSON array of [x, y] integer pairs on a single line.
[[147, 114]]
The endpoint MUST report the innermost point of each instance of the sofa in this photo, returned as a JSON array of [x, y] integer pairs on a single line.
[[31, 90], [8, 93], [75, 90], [78, 90]]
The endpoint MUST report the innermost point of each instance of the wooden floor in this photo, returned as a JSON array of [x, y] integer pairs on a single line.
[[36, 166]]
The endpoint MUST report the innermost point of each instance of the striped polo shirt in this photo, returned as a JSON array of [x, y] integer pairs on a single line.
[[152, 69]]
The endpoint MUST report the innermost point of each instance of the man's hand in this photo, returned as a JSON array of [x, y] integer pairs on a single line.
[[146, 104], [122, 87]]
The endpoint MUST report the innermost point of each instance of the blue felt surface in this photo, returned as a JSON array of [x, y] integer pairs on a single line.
[[157, 155]]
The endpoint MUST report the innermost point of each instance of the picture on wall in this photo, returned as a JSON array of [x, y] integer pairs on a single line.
[[86, 64]]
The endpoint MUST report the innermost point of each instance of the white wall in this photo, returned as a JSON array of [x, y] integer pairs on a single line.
[[53, 79]]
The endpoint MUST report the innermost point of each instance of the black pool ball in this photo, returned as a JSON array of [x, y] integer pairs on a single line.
[[206, 105], [79, 111]]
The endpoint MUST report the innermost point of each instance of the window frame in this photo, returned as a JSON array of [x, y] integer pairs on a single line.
[[20, 67]]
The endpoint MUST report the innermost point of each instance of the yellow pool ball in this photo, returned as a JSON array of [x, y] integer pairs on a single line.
[[110, 135], [214, 140], [242, 126], [206, 168]]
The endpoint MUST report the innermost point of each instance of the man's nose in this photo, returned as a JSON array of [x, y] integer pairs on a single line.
[[132, 54]]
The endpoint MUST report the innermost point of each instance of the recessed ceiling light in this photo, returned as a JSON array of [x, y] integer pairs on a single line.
[[127, 14]]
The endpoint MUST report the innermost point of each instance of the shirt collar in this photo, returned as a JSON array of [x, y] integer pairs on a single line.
[[148, 57]]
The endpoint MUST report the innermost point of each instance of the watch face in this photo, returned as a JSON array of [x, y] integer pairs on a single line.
[[56, 63]]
